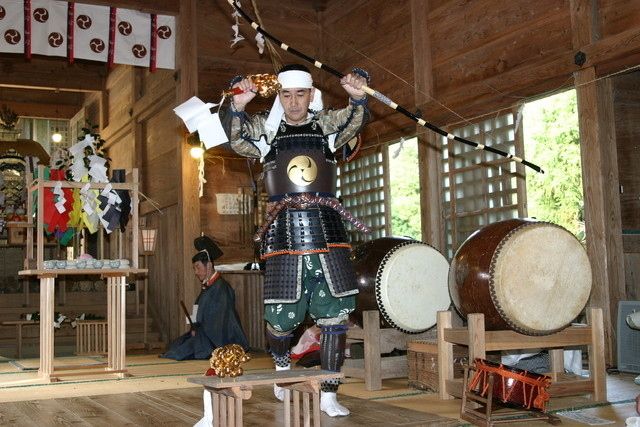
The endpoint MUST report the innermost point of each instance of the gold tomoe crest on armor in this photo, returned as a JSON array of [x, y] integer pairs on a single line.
[[302, 170]]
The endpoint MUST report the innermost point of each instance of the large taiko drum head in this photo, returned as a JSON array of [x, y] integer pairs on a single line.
[[530, 276], [406, 280]]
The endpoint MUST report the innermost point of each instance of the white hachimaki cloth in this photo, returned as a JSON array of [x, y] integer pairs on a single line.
[[292, 79]]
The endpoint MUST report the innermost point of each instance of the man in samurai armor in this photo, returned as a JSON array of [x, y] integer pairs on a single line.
[[304, 242]]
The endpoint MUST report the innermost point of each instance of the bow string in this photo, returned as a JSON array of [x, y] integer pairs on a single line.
[[380, 96]]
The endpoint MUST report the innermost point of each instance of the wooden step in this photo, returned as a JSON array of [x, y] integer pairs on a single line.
[[134, 325], [32, 344], [12, 300]]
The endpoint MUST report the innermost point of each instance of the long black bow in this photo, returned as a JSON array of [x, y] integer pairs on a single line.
[[379, 96]]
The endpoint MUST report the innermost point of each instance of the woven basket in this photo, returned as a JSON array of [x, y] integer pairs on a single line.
[[422, 358]]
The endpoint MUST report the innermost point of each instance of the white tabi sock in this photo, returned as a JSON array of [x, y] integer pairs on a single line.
[[278, 392], [330, 406], [207, 420]]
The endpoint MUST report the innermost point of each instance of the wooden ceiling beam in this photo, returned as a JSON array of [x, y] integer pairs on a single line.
[[504, 89], [39, 110], [41, 96], [51, 73], [613, 48], [162, 7]]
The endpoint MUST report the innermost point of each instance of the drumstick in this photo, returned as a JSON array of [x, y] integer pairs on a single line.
[[186, 313]]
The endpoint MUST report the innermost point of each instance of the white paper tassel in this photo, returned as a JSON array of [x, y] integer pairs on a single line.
[[201, 179]]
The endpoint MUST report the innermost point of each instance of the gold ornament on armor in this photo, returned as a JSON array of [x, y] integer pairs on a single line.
[[302, 170]]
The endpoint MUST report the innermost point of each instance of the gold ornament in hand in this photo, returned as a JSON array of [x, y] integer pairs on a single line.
[[267, 85]]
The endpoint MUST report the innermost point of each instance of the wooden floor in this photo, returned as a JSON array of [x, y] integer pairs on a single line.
[[158, 394]]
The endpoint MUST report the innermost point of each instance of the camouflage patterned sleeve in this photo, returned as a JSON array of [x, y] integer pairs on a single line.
[[346, 123], [246, 132]]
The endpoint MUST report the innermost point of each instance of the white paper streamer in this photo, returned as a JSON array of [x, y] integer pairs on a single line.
[[107, 189], [197, 116], [57, 190], [260, 43], [58, 321], [236, 27]]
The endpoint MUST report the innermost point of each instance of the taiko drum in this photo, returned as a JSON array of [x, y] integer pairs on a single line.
[[529, 276], [406, 280]]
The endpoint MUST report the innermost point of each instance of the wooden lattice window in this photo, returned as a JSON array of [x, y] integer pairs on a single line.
[[361, 186], [480, 187]]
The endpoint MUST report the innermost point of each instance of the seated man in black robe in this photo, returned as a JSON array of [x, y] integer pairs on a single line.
[[215, 320]]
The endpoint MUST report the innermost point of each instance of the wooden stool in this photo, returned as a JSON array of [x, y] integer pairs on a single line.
[[486, 415], [227, 394], [310, 390]]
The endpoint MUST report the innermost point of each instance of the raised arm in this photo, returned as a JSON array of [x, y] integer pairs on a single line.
[[246, 132]]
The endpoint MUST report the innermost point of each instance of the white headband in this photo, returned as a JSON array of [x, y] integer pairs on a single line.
[[290, 80], [295, 79]]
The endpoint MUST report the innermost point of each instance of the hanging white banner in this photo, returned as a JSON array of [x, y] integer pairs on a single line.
[[166, 41], [51, 33], [12, 26], [49, 27], [133, 38], [91, 32]]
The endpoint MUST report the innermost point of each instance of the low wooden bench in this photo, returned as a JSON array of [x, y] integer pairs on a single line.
[[19, 324], [227, 394]]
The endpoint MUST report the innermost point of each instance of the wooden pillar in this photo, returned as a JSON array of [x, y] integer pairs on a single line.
[[116, 322], [372, 361], [429, 151], [599, 178], [47, 291], [445, 355], [188, 201]]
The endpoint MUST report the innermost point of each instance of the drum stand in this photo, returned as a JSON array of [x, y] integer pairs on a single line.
[[486, 416], [374, 368], [480, 341]]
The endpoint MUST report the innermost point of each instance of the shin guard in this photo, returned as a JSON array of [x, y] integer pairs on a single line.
[[332, 345], [279, 345]]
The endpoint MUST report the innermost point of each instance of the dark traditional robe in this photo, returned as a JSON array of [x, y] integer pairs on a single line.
[[217, 324]]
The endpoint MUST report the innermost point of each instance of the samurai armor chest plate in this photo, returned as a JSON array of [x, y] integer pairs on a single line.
[[300, 162]]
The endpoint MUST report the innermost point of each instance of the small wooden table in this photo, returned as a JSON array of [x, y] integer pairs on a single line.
[[116, 310], [227, 394]]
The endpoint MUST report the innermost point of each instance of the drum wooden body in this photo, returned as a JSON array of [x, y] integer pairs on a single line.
[[529, 276], [404, 279], [512, 386]]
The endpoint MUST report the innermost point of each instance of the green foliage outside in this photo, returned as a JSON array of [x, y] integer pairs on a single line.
[[405, 189], [552, 141]]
